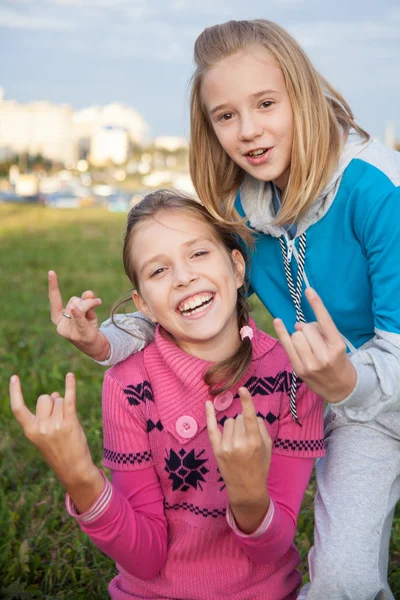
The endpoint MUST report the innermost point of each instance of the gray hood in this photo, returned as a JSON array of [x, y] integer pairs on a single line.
[[256, 196]]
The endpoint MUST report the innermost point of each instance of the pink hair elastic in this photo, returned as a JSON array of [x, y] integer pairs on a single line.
[[245, 332]]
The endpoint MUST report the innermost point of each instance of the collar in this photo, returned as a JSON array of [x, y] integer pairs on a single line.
[[179, 386]]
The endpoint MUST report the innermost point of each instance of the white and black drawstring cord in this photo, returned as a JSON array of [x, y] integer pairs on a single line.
[[296, 293]]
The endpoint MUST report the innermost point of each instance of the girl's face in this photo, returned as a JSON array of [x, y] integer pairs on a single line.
[[248, 105], [188, 283]]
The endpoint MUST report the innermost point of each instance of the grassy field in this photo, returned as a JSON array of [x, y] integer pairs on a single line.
[[43, 554]]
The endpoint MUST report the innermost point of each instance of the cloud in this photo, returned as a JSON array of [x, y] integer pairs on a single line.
[[337, 34]]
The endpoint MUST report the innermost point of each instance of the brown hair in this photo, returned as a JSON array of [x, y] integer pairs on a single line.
[[322, 120], [223, 375]]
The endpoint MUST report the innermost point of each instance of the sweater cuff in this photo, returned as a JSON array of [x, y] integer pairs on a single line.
[[98, 507], [262, 528], [366, 391]]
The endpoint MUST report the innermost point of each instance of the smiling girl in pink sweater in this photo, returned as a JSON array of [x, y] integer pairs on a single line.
[[209, 461]]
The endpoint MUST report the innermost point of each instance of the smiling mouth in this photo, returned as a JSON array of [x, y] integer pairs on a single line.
[[195, 304]]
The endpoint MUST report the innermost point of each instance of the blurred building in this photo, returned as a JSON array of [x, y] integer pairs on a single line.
[[171, 143], [109, 144], [36, 128], [390, 135], [115, 126], [55, 131]]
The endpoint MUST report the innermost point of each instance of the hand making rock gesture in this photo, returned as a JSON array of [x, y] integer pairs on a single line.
[[77, 321], [58, 435], [243, 454], [318, 353]]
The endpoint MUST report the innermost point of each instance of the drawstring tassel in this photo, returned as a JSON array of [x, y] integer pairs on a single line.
[[296, 294]]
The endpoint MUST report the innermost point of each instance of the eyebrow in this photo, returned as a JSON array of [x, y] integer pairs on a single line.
[[256, 95], [160, 256]]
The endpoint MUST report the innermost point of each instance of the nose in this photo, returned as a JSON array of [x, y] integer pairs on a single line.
[[184, 275], [249, 128]]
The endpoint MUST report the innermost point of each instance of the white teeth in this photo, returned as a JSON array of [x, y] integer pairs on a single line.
[[191, 305]]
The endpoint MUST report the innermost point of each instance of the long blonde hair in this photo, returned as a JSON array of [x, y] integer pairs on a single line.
[[322, 120]]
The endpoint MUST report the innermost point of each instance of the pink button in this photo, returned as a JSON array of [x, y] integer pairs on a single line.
[[223, 401], [186, 426]]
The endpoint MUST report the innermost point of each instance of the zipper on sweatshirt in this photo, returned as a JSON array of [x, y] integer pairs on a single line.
[[289, 247]]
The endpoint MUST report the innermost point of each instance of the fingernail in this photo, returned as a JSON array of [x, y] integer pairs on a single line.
[[311, 293], [14, 379]]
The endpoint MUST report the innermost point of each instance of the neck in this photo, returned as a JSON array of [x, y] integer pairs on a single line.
[[215, 349]]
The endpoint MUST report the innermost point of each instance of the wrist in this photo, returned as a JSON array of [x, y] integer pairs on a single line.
[[85, 488], [346, 384], [99, 349], [250, 514]]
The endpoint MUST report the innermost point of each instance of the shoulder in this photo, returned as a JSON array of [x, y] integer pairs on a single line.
[[380, 158], [367, 193], [130, 374], [375, 168]]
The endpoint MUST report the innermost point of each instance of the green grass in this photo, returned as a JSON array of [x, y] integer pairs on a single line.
[[43, 554]]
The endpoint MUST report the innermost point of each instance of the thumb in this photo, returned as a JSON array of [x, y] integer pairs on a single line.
[[70, 396]]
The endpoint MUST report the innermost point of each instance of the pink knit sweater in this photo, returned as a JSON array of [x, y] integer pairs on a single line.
[[156, 444]]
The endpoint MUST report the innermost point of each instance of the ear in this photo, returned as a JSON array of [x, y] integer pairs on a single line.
[[142, 306], [239, 267]]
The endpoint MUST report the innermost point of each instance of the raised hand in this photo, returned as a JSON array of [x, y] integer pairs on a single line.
[[77, 322], [57, 433], [318, 353], [243, 454]]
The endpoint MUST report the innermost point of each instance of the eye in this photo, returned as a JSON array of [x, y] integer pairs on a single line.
[[266, 104], [158, 272], [225, 117], [200, 253]]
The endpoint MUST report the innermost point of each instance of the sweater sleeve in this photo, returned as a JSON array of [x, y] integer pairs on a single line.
[[378, 363], [127, 522], [306, 439], [134, 332], [126, 440], [287, 481]]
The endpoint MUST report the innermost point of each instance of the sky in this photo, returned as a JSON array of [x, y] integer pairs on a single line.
[[139, 52]]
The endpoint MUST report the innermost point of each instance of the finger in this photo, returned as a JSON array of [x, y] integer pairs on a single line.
[[286, 341], [70, 395], [317, 343], [228, 432], [55, 299], [248, 411], [82, 309], [212, 427], [324, 319], [54, 395], [264, 432], [89, 295], [58, 410], [44, 407], [20, 411], [239, 432]]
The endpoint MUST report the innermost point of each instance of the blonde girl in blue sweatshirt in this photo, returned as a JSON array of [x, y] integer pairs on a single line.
[[274, 144]]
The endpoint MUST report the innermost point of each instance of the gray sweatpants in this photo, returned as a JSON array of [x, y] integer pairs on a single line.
[[358, 487]]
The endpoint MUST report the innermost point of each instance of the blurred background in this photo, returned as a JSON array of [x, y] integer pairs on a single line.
[[93, 114]]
